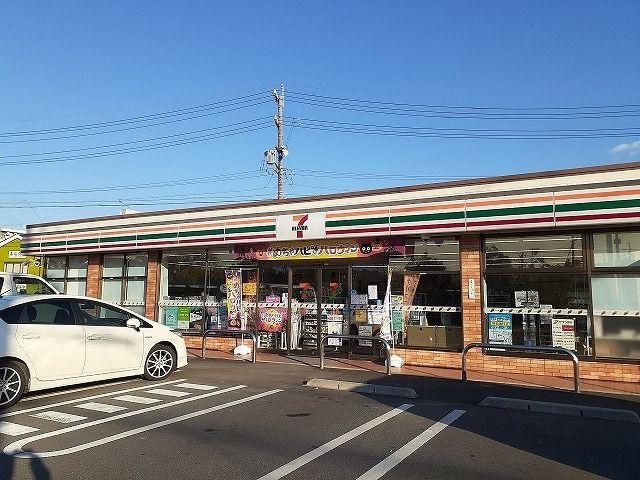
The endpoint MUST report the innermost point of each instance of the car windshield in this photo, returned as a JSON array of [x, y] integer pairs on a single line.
[[32, 286]]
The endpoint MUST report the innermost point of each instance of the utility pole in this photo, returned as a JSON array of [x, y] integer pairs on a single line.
[[276, 157]]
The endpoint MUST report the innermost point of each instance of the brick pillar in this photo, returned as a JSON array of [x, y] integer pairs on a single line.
[[151, 297], [470, 258], [93, 275]]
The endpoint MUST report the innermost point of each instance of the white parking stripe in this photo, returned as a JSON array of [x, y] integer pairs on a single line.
[[15, 429], [15, 448], [137, 399], [58, 417], [327, 447], [101, 407], [195, 386], [30, 398], [84, 399], [168, 393], [136, 431], [403, 452]]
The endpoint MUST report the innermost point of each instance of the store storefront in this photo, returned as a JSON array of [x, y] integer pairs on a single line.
[[550, 259]]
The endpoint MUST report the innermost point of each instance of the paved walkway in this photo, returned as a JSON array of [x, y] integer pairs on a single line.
[[448, 373]]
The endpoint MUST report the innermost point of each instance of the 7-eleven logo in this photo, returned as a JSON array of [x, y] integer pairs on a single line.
[[301, 226]]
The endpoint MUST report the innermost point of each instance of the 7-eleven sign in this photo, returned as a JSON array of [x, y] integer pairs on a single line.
[[300, 226]]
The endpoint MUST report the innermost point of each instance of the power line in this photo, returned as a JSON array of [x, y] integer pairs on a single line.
[[137, 127], [464, 107], [497, 134], [164, 137], [143, 118], [203, 138], [233, 176]]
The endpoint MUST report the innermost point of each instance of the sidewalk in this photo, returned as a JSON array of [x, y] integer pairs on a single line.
[[555, 383]]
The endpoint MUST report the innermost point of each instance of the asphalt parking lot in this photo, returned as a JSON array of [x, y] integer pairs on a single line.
[[230, 419]]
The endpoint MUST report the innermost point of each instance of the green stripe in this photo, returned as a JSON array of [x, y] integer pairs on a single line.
[[259, 228], [124, 238], [357, 221], [198, 233], [499, 212], [581, 207], [428, 217], [30, 245], [151, 236], [54, 244], [82, 242]]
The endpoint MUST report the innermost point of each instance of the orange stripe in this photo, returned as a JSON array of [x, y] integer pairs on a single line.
[[358, 213], [427, 208], [297, 218], [510, 201], [251, 222], [576, 196]]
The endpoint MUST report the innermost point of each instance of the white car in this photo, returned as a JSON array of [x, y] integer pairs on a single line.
[[50, 341], [24, 284]]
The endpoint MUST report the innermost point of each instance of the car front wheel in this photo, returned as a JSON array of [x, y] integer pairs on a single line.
[[160, 362], [13, 382]]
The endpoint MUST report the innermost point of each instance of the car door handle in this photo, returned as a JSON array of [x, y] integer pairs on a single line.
[[94, 337], [30, 336]]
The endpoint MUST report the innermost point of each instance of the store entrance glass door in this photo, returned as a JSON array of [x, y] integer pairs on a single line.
[[304, 314]]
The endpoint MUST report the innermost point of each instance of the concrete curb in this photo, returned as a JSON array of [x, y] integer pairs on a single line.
[[362, 388], [600, 413]]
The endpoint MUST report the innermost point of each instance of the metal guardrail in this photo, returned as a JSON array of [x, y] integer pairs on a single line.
[[574, 358], [356, 337], [231, 333]]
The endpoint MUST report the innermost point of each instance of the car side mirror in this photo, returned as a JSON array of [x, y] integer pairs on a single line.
[[134, 323]]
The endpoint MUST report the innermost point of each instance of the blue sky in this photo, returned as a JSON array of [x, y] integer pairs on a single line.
[[75, 63]]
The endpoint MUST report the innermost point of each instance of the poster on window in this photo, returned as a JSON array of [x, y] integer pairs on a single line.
[[334, 327], [171, 317], [183, 317], [272, 319], [234, 297], [500, 328], [528, 298], [563, 333]]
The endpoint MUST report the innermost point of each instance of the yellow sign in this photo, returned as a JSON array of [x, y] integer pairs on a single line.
[[249, 289]]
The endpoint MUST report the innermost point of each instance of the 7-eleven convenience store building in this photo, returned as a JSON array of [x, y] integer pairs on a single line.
[[543, 259]]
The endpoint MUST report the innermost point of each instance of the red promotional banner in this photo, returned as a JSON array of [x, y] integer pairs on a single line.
[[272, 319]]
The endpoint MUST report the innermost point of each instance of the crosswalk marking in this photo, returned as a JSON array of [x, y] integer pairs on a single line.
[[293, 465], [15, 429], [168, 393], [195, 386], [101, 407], [403, 452], [58, 417], [136, 399]]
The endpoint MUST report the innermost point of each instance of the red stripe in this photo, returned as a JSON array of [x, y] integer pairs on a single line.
[[427, 227], [157, 242], [513, 221], [202, 240], [251, 237], [358, 230], [601, 216]]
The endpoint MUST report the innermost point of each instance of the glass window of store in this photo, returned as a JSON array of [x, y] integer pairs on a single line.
[[368, 289], [615, 285], [124, 279], [194, 282], [537, 291], [426, 294], [68, 274]]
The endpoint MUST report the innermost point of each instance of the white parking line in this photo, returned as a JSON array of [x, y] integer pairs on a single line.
[[168, 393], [15, 429], [84, 399], [15, 448], [195, 386], [59, 417], [327, 447], [101, 407], [74, 390], [403, 452], [137, 399]]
